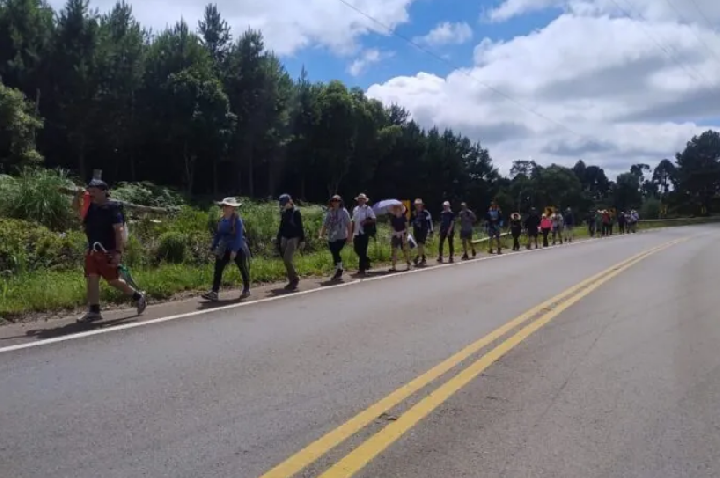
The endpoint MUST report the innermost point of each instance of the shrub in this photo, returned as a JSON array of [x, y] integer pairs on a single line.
[[172, 247], [27, 247], [37, 195], [147, 194]]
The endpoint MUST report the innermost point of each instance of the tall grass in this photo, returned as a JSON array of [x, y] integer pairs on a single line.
[[36, 195]]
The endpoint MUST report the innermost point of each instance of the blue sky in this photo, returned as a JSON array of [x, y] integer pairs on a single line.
[[323, 65]]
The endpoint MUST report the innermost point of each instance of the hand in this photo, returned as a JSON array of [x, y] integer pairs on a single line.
[[233, 255]]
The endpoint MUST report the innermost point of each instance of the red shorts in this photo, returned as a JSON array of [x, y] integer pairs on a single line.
[[100, 264]]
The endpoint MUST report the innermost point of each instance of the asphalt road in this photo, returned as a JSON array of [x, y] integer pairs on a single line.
[[622, 380]]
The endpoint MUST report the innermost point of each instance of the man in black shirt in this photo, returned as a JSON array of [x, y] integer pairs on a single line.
[[104, 227], [291, 236], [532, 224]]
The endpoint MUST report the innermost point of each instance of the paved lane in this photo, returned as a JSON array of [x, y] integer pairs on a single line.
[[232, 393]]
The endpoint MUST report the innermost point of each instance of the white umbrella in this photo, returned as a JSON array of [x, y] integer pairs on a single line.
[[383, 207]]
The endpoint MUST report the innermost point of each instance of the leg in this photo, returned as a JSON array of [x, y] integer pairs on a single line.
[[451, 246], [364, 242], [289, 246], [443, 237], [242, 263], [220, 263], [393, 252]]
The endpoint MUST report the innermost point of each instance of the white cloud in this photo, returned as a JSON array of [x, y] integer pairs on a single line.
[[368, 57], [598, 75], [447, 33], [287, 25]]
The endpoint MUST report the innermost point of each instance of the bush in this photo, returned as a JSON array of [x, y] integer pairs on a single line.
[[147, 194], [36, 195], [172, 247], [28, 247]]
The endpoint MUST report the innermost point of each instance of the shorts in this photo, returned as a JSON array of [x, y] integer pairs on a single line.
[[494, 231], [466, 235], [396, 242], [100, 264], [533, 232], [420, 236]]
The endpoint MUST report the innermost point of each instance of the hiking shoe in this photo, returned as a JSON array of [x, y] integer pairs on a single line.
[[423, 262], [465, 257], [338, 274], [409, 266], [293, 284], [416, 261], [451, 260], [392, 269], [210, 296], [474, 253], [89, 317], [141, 303], [245, 294]]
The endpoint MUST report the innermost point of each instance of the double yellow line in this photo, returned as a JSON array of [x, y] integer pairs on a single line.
[[377, 443]]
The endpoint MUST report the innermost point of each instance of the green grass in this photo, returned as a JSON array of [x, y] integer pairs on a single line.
[[43, 290]]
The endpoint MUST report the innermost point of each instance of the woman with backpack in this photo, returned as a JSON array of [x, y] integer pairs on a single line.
[[229, 246]]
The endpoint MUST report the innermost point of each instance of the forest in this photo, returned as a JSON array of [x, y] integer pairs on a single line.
[[194, 109]]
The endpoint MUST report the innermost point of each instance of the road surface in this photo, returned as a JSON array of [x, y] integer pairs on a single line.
[[616, 375]]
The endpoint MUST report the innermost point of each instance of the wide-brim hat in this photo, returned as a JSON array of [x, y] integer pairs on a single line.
[[419, 202], [232, 202], [361, 196], [515, 215], [335, 197]]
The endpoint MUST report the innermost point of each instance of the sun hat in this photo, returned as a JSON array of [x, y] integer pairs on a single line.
[[229, 201], [446, 203], [419, 202], [361, 196], [515, 215], [284, 199], [336, 197]]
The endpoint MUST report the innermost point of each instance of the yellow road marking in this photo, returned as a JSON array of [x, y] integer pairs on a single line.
[[330, 440], [373, 446]]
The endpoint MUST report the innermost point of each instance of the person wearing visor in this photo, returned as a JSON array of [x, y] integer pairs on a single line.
[[291, 236], [104, 226]]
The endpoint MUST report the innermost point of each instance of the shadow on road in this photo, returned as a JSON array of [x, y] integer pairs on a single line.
[[72, 328]]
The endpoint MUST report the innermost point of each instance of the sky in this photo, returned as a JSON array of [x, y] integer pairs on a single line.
[[611, 82]]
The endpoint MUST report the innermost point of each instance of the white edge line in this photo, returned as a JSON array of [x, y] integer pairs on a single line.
[[159, 320]]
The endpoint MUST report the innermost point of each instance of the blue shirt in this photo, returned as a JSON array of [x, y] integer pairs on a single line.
[[224, 233]]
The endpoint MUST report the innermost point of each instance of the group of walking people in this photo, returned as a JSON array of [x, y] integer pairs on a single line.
[[341, 228], [106, 231]]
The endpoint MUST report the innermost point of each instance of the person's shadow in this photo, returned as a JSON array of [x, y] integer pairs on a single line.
[[73, 328]]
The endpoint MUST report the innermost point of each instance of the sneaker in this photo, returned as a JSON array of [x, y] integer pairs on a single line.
[[392, 269], [141, 303], [338, 274], [210, 296], [293, 284], [416, 261], [440, 260], [423, 262], [451, 260], [409, 266], [89, 317], [465, 257], [474, 253], [245, 294]]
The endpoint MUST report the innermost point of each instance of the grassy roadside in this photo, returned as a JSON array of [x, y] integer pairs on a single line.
[[64, 290]]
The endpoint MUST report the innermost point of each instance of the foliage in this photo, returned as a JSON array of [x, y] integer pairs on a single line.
[[19, 126], [36, 195], [147, 194]]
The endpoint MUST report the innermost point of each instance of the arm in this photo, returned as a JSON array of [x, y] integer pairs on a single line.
[[216, 237], [239, 238], [323, 229], [349, 226], [77, 204], [298, 221], [119, 238], [428, 218]]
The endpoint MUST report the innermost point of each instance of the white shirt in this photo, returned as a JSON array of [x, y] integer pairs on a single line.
[[360, 213]]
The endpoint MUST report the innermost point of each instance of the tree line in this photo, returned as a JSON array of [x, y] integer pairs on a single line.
[[193, 108]]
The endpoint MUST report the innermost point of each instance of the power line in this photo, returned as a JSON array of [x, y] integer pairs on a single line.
[[459, 69], [702, 14], [697, 35]]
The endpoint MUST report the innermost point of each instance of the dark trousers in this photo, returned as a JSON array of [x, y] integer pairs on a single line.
[[450, 238], [335, 248], [221, 262], [591, 229], [545, 233], [605, 229], [621, 228], [360, 244], [516, 239]]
